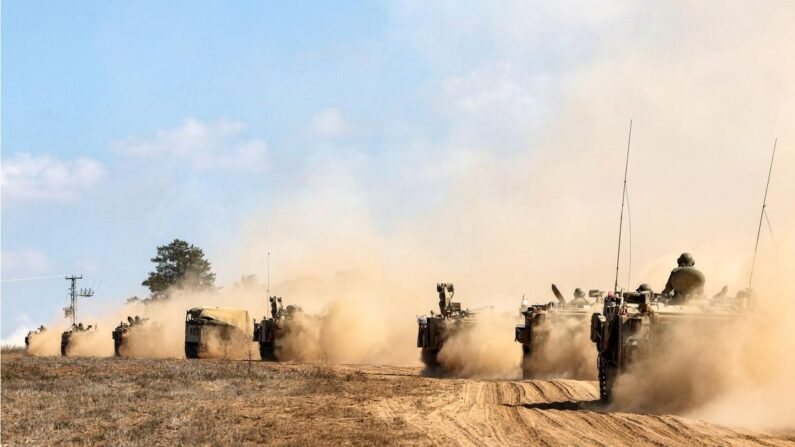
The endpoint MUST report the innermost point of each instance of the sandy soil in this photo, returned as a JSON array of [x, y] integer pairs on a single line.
[[56, 401]]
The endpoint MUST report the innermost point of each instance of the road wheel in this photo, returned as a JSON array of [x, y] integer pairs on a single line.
[[266, 351], [191, 350], [527, 353], [429, 358], [607, 377]]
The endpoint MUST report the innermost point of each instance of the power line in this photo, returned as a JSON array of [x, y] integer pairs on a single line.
[[31, 278]]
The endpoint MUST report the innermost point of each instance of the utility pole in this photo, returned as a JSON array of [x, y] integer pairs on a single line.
[[74, 293]]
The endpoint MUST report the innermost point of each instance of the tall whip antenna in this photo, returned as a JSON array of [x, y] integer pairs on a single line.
[[763, 214], [629, 227], [623, 197], [269, 274]]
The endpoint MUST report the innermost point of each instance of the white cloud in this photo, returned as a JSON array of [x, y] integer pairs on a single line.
[[202, 146], [43, 177], [330, 123], [21, 329]]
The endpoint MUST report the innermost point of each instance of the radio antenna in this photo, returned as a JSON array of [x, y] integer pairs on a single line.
[[629, 228], [623, 197], [269, 274], [763, 214]]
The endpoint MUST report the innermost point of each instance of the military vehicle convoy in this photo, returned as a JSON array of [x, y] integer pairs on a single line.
[[540, 319], [270, 331], [67, 336], [435, 329], [634, 324], [215, 331], [141, 326]]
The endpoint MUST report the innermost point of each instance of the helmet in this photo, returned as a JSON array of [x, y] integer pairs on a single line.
[[686, 260], [578, 293], [645, 288]]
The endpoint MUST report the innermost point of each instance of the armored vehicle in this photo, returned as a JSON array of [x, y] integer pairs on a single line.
[[32, 334], [435, 329], [540, 319], [215, 331], [67, 336], [634, 324], [621, 332], [269, 332], [140, 326]]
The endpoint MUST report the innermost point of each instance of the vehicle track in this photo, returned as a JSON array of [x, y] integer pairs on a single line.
[[471, 412]]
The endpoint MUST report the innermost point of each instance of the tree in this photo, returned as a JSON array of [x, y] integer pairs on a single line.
[[182, 265]]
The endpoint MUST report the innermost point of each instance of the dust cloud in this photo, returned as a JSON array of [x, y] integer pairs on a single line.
[[46, 343], [147, 341], [345, 333], [222, 343], [568, 352], [90, 344], [483, 348]]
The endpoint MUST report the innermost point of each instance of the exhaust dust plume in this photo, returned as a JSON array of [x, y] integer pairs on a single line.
[[46, 343], [484, 349], [568, 352]]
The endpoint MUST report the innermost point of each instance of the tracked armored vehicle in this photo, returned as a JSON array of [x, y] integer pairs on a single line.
[[269, 332], [622, 332], [541, 319], [68, 336], [216, 332], [33, 334], [434, 329], [143, 327], [633, 325]]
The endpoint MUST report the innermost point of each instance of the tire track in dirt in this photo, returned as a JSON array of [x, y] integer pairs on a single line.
[[470, 412]]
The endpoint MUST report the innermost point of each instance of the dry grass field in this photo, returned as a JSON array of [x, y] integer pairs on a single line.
[[120, 402]]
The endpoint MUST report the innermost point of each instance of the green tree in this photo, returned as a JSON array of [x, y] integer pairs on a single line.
[[182, 265]]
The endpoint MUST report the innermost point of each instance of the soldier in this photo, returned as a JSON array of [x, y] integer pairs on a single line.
[[579, 296], [645, 288], [685, 281], [275, 305], [524, 306]]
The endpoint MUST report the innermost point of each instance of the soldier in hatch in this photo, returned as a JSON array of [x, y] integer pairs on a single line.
[[685, 281], [645, 288], [579, 297]]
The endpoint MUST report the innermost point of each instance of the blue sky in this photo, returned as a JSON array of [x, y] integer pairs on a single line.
[[80, 82], [127, 124], [76, 80]]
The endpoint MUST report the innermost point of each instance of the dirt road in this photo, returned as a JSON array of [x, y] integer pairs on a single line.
[[162, 402], [549, 412]]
